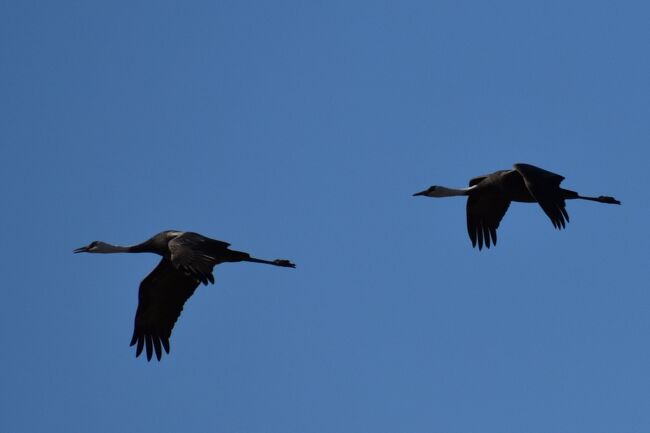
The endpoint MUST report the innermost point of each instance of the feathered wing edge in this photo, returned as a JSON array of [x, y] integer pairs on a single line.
[[544, 186], [484, 214], [161, 298]]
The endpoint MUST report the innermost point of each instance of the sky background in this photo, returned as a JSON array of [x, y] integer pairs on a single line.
[[299, 130]]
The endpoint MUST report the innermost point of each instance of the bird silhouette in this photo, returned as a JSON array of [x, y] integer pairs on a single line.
[[187, 260], [489, 196]]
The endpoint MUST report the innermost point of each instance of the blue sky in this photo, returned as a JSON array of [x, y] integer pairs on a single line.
[[300, 130]]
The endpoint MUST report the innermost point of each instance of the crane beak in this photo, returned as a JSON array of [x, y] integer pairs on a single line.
[[420, 193], [81, 250]]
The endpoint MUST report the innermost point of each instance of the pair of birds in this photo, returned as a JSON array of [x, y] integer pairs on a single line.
[[189, 258]]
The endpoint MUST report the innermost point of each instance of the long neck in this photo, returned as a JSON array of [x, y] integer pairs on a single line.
[[443, 191], [145, 247], [105, 248]]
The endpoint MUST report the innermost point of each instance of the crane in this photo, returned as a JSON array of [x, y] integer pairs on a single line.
[[489, 196], [187, 260]]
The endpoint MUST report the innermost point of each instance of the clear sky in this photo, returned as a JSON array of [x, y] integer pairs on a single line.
[[299, 130]]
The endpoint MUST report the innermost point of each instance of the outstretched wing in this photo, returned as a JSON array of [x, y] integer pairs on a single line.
[[196, 255], [478, 179], [160, 302], [484, 213], [544, 186]]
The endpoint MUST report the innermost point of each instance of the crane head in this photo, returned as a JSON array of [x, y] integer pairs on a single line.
[[432, 191], [93, 247]]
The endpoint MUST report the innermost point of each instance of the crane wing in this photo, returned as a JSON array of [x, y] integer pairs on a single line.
[[484, 213], [196, 255], [478, 179], [544, 186], [160, 302]]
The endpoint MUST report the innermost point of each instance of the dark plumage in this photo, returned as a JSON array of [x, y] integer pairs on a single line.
[[489, 197], [187, 260]]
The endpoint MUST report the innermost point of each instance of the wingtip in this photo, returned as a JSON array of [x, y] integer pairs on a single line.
[[140, 346], [149, 347], [157, 347]]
